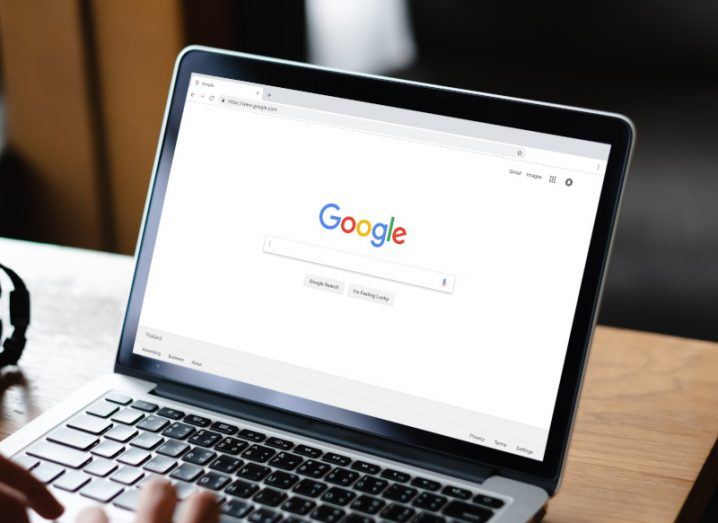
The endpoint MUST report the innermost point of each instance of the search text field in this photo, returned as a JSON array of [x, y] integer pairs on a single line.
[[367, 265]]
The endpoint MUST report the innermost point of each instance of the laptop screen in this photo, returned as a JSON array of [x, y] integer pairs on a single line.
[[412, 267]]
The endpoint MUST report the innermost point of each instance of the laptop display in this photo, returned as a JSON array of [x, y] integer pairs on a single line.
[[415, 268]]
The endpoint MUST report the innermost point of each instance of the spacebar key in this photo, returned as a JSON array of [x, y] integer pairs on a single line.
[[466, 512], [59, 454]]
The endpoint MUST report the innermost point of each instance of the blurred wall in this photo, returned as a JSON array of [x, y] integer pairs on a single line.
[[85, 84], [49, 165]]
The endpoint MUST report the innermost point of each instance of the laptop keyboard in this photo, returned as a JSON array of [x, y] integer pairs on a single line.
[[109, 450]]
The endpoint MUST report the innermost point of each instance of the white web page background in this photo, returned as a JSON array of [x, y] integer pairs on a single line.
[[516, 246]]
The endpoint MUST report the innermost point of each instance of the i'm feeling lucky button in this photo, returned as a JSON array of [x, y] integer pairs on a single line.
[[371, 295]]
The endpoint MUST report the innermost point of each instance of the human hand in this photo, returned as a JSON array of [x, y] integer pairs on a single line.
[[158, 500], [20, 490]]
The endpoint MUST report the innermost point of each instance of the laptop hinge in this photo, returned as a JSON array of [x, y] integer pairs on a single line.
[[324, 431]]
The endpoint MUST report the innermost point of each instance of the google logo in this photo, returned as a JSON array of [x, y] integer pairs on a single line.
[[380, 232]]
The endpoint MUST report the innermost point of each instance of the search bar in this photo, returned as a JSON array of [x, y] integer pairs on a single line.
[[367, 265]]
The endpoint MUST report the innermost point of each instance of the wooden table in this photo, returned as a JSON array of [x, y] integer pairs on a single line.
[[644, 447]]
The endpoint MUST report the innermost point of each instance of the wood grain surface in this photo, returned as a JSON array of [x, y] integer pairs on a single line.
[[643, 448]]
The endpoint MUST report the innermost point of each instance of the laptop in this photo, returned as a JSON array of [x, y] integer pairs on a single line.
[[356, 299]]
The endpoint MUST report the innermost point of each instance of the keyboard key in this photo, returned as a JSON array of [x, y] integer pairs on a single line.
[[456, 492], [145, 406], [122, 433], [213, 481], [308, 451], [366, 468], [199, 456], [100, 467], [425, 517], [395, 475], [172, 448], [399, 493], [197, 421], [71, 480], [231, 446], [310, 488], [279, 443], [264, 515], [91, 424], [357, 518], [297, 505], [429, 501], [371, 485], [338, 496], [147, 440], [258, 453], [426, 484], [128, 500], [286, 461], [108, 449], [488, 501], [336, 459], [183, 489], [101, 490], [281, 480], [59, 454], [398, 513], [26, 462], [205, 438], [160, 464], [242, 489], [235, 508], [467, 512], [294, 519], [327, 514], [270, 497], [128, 416], [313, 469], [127, 475], [342, 477], [186, 472], [251, 435], [178, 431], [120, 399], [134, 457], [224, 428], [167, 412], [367, 504], [72, 438], [147, 479], [226, 464], [153, 423], [253, 472], [102, 409], [46, 472]]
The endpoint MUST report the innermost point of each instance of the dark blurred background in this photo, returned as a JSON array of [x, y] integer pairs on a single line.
[[84, 85]]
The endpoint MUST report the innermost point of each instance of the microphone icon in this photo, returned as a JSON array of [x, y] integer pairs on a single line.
[[443, 283]]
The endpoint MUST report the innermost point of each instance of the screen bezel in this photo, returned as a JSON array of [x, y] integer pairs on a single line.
[[545, 118]]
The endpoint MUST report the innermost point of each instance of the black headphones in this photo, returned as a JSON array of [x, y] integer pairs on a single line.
[[19, 299]]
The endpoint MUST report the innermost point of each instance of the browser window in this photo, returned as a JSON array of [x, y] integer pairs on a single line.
[[412, 267]]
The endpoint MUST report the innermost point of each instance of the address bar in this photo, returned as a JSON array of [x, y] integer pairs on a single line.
[[367, 265]]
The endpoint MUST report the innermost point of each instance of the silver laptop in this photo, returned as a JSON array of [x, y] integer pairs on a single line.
[[356, 299]]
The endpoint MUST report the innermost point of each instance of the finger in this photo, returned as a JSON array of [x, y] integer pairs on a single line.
[[12, 506], [200, 507], [92, 515], [157, 502], [38, 497]]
